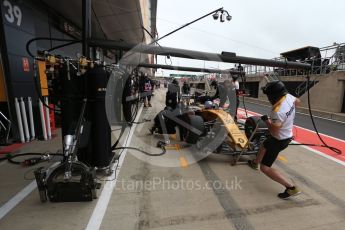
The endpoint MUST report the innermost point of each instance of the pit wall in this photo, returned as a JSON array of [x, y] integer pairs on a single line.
[[328, 94]]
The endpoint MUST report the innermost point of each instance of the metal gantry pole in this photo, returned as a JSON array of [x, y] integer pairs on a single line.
[[189, 69], [198, 55], [86, 35]]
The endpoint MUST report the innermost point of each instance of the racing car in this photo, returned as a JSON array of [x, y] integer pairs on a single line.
[[213, 130]]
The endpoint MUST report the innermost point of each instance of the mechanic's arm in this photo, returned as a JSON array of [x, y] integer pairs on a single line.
[[273, 127], [297, 102], [274, 123]]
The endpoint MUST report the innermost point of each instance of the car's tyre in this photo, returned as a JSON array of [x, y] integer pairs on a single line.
[[250, 125], [198, 123]]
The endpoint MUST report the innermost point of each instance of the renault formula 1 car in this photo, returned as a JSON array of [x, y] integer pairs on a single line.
[[213, 130]]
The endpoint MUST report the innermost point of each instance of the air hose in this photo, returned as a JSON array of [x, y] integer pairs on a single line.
[[37, 158], [69, 42], [325, 145]]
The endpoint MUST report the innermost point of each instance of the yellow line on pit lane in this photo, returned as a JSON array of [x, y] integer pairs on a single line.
[[283, 159], [183, 162]]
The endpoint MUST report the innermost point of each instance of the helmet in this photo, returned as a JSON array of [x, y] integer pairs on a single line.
[[274, 91], [208, 105]]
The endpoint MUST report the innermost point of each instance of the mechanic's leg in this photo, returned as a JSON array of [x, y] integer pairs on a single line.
[[260, 155], [237, 105], [145, 104], [275, 175], [142, 96], [149, 100]]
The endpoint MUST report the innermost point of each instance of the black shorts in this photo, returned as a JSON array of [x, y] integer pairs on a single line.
[[273, 147]]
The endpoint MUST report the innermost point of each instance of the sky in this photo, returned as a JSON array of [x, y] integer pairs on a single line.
[[261, 29]]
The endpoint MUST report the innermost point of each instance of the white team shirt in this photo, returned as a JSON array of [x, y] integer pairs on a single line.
[[236, 84], [283, 112]]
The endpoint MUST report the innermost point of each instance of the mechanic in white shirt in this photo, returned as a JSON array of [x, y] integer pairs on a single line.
[[236, 85], [280, 125]]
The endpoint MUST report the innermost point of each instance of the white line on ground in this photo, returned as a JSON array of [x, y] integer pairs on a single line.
[[9, 205], [104, 198], [4, 162], [14, 201], [322, 154], [324, 118]]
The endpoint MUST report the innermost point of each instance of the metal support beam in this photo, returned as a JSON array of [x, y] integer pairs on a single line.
[[189, 69], [204, 16], [192, 54], [86, 14]]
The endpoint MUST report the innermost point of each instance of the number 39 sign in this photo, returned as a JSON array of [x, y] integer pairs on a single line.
[[13, 14]]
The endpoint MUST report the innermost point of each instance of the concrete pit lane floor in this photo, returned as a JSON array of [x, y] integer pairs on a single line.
[[174, 191]]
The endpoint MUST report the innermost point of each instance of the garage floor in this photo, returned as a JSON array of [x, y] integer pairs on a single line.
[[176, 192]]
